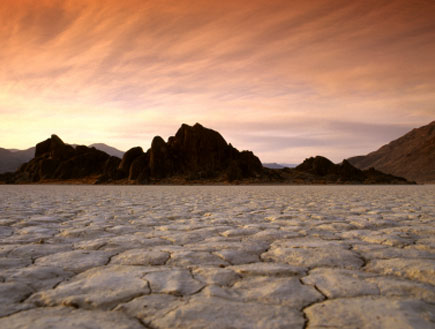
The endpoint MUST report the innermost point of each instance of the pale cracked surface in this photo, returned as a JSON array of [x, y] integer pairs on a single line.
[[217, 257]]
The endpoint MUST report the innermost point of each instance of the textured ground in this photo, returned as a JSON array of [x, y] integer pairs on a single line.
[[217, 257]]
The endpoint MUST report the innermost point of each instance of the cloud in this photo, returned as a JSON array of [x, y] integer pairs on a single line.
[[270, 75]]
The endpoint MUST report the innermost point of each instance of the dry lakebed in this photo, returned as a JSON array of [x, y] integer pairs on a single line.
[[217, 257]]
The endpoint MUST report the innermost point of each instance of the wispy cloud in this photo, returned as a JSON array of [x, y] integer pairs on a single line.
[[271, 75]]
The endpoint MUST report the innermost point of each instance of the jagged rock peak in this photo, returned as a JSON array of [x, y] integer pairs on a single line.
[[195, 152], [56, 139], [53, 146], [197, 137], [157, 142]]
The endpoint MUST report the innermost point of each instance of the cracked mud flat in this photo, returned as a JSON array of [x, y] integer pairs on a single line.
[[217, 257]]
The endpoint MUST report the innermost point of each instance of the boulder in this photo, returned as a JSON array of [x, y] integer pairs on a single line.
[[128, 159], [161, 161], [139, 168]]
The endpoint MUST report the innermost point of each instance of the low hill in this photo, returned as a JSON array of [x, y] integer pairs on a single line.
[[411, 156], [11, 160], [274, 165], [108, 149]]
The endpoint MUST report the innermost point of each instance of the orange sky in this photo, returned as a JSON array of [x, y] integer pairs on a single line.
[[285, 79]]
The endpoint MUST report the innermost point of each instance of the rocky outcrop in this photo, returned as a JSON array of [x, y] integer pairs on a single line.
[[318, 165], [194, 153], [321, 170], [55, 160], [411, 156]]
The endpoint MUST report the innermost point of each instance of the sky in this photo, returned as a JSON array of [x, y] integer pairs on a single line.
[[287, 79]]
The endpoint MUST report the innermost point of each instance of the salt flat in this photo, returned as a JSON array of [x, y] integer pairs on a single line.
[[217, 257]]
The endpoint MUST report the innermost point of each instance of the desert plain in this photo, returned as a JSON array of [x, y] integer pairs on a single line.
[[163, 257]]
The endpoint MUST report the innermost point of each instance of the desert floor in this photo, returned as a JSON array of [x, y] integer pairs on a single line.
[[217, 257]]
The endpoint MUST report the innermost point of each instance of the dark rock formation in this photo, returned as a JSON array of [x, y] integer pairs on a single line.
[[55, 160], [321, 170], [194, 153], [11, 160], [411, 156], [136, 172], [128, 158], [318, 165]]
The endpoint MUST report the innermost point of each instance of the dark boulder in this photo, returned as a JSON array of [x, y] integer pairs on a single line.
[[161, 159], [139, 169], [110, 171], [111, 166], [128, 159]]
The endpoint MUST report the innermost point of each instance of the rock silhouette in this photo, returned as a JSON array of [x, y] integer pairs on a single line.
[[55, 160], [321, 170], [195, 155]]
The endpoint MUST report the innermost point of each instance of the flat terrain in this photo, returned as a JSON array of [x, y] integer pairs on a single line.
[[217, 257]]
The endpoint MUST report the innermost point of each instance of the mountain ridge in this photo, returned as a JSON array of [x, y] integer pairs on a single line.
[[275, 165], [11, 160], [411, 156]]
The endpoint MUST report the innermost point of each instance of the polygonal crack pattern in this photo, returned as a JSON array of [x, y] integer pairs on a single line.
[[217, 257]]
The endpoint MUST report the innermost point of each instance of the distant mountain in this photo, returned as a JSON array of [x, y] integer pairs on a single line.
[[11, 160], [274, 165], [411, 156], [108, 149]]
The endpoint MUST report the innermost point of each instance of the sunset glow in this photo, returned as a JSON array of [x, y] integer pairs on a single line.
[[285, 79]]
